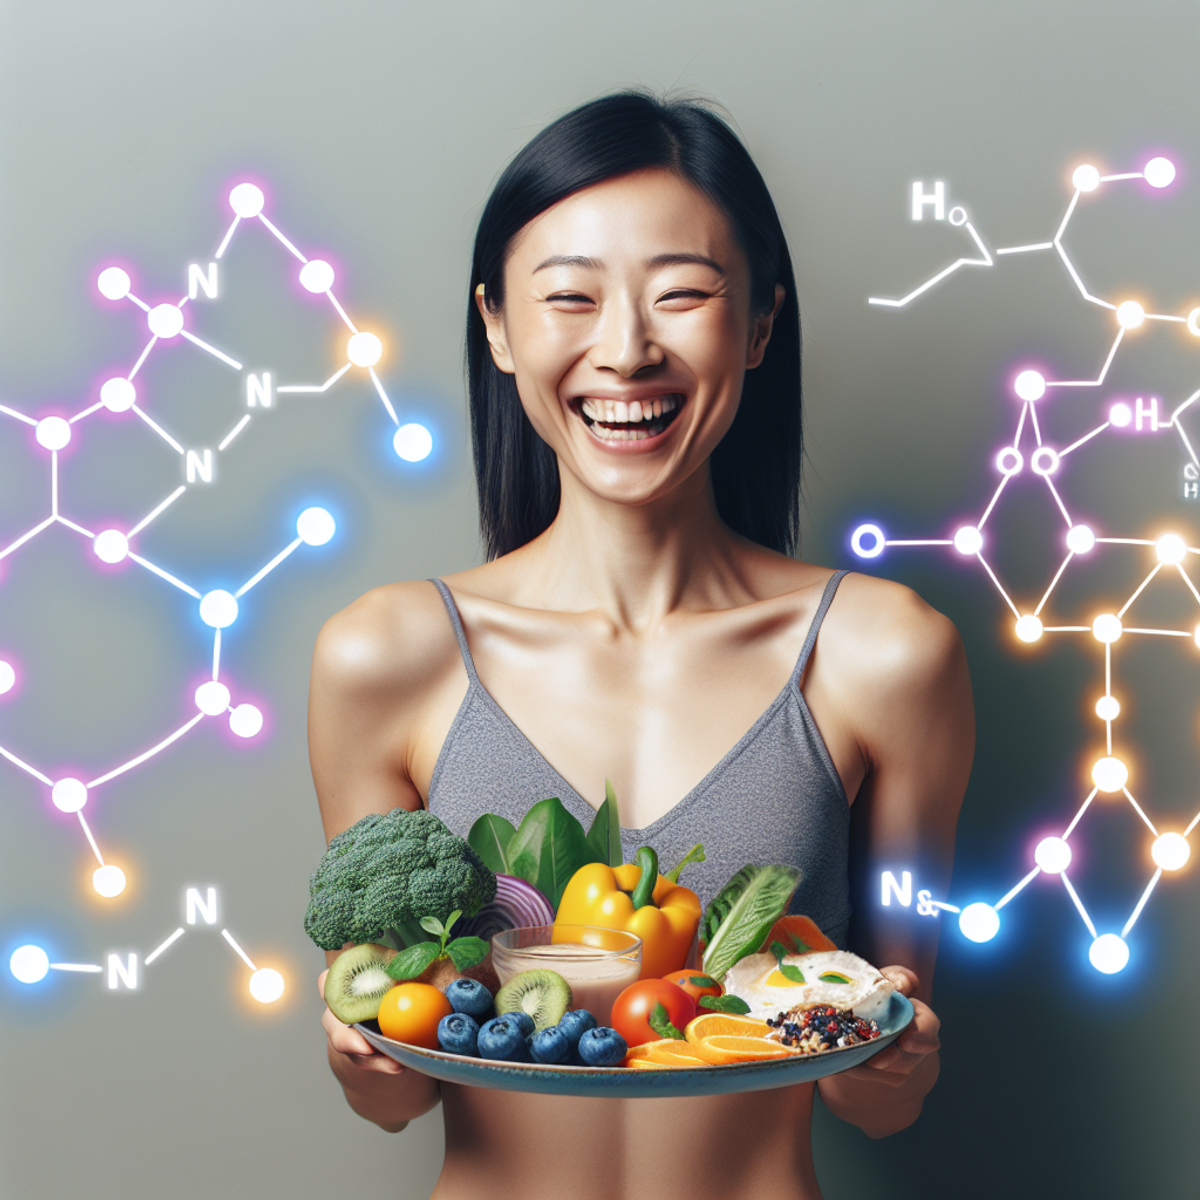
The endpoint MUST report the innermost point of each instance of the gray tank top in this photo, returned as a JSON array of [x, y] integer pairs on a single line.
[[774, 798]]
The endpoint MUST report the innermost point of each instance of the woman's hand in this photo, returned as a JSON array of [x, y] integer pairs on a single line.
[[886, 1093], [350, 1045]]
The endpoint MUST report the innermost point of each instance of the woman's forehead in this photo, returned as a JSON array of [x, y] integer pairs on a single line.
[[636, 218]]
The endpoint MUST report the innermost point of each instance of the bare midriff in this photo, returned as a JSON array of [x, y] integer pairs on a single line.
[[509, 1146]]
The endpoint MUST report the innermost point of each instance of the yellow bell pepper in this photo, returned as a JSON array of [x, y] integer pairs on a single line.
[[666, 922]]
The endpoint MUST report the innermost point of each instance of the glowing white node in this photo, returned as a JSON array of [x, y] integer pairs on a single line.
[[30, 964], [1196, 636], [1086, 178], [53, 433], [1120, 415], [117, 395], [1110, 774], [1108, 708], [218, 609], [1029, 628], [1171, 549], [266, 985], [8, 677], [1053, 855], [414, 442], [245, 720], [114, 283], [317, 275], [1159, 172], [1170, 851], [1010, 461], [1107, 628], [364, 350], [866, 541], [165, 320], [1108, 953], [968, 540], [108, 880], [980, 922], [1080, 539], [1030, 385], [212, 698], [315, 526], [69, 795], [1130, 314], [247, 200], [111, 546], [1193, 322], [1044, 461]]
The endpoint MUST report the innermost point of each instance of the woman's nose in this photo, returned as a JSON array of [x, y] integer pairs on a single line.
[[624, 339]]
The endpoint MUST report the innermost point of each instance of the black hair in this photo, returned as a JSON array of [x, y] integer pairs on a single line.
[[756, 467]]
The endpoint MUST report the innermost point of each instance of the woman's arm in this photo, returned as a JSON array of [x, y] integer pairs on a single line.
[[380, 668], [907, 693]]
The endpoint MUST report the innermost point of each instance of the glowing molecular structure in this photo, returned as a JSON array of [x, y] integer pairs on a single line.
[[171, 323], [1032, 450], [30, 964]]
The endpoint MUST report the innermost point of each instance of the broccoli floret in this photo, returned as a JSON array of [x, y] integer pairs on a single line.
[[386, 873]]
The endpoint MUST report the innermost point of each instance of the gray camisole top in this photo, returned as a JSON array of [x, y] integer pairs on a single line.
[[774, 798]]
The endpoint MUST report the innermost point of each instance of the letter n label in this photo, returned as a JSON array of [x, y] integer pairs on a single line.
[[902, 890], [119, 972], [207, 908], [197, 466], [197, 279], [258, 391]]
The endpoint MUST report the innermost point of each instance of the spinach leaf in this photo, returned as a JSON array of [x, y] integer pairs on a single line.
[[548, 848], [490, 838], [604, 837]]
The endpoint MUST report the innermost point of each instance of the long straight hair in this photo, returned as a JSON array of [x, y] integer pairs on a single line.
[[755, 469]]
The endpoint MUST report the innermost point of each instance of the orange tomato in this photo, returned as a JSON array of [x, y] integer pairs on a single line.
[[410, 1012], [684, 979]]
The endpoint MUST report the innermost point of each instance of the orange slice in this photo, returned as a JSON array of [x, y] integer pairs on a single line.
[[728, 1048], [645, 1052], [715, 1024], [676, 1054]]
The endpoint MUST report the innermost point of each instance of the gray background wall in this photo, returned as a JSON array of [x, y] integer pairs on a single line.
[[378, 128]]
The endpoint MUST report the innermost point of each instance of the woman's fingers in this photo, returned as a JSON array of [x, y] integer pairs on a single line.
[[898, 1061], [350, 1043]]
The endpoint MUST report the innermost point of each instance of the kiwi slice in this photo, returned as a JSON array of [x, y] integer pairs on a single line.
[[545, 995], [357, 982]]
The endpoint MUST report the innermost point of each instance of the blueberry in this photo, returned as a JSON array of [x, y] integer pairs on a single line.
[[524, 1020], [602, 1047], [551, 1045], [471, 997], [503, 1038], [575, 1024], [459, 1034]]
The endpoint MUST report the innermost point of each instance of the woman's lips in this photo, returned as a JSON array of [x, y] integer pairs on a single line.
[[630, 421]]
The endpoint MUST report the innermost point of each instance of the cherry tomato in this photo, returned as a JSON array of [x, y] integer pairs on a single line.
[[684, 979], [635, 1006], [410, 1012]]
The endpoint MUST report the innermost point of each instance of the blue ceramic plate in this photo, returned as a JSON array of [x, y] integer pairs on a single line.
[[627, 1083]]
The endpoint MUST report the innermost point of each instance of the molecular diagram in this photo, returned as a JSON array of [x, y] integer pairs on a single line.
[[171, 329], [1166, 553]]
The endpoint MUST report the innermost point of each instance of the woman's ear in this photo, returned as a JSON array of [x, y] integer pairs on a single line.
[[494, 324], [760, 332]]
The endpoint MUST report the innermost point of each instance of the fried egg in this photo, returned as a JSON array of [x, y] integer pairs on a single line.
[[834, 977]]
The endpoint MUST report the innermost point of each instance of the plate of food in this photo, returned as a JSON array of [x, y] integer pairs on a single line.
[[535, 960]]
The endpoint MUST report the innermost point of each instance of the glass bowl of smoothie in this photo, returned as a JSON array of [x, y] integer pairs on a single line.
[[599, 964]]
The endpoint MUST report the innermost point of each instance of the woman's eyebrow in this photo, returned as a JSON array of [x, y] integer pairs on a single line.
[[674, 260], [567, 260]]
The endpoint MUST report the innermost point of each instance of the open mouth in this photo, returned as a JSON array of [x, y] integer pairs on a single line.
[[630, 421]]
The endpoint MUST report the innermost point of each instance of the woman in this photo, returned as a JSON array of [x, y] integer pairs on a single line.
[[634, 361]]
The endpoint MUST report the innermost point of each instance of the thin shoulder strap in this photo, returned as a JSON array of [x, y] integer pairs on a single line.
[[456, 622], [826, 600]]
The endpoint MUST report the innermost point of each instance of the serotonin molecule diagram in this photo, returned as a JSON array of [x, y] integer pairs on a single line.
[[1034, 452], [171, 329]]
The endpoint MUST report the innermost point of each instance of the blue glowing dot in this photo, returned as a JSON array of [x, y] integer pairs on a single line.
[[218, 609], [315, 526], [867, 541], [1109, 953], [29, 964], [412, 442], [980, 922]]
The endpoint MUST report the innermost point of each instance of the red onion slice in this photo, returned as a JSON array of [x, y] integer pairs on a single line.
[[517, 904]]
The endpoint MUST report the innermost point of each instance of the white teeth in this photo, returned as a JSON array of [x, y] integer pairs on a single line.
[[593, 409], [621, 412], [635, 410], [657, 407]]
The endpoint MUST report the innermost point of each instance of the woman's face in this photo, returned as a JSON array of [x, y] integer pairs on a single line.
[[627, 324]]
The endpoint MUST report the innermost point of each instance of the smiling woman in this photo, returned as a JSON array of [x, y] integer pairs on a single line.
[[634, 369]]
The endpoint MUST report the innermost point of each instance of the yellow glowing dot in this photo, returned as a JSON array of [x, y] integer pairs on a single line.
[[1106, 628], [1130, 314], [266, 985], [1108, 708], [1110, 774], [1086, 178], [1170, 851], [364, 350], [1171, 549], [108, 881], [1029, 628]]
